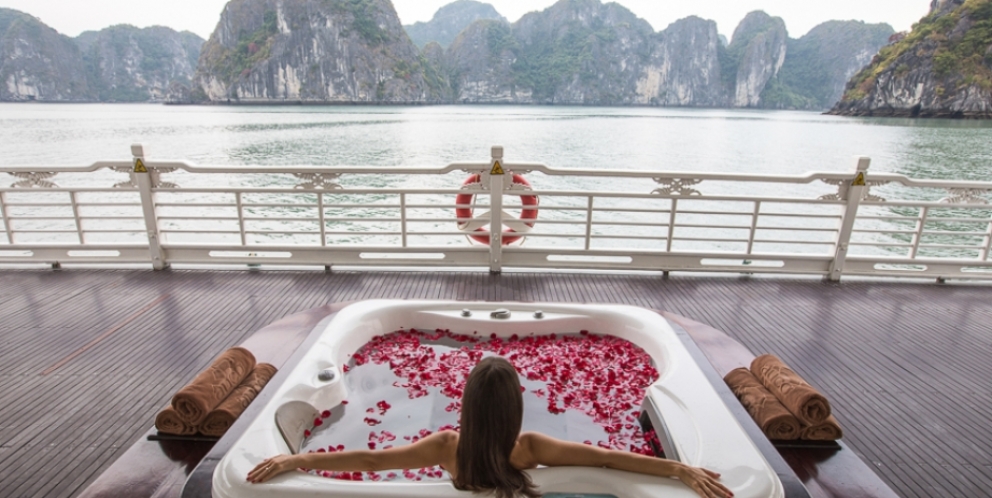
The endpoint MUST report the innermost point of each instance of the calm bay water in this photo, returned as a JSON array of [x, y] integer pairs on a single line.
[[775, 142]]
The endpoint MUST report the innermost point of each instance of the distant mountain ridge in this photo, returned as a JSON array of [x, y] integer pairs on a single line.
[[587, 52], [449, 21], [117, 64], [576, 52]]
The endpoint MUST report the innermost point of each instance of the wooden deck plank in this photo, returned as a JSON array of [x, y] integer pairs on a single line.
[[905, 364]]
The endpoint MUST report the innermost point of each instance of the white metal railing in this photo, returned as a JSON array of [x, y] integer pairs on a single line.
[[832, 224]]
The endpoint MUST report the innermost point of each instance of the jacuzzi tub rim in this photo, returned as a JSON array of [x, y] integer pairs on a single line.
[[203, 476]]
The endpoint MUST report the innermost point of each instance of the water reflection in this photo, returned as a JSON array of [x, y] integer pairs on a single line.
[[607, 138]]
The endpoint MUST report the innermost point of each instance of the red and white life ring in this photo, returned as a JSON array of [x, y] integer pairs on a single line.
[[465, 213]]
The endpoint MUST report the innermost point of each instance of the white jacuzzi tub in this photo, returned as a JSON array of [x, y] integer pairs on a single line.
[[701, 429]]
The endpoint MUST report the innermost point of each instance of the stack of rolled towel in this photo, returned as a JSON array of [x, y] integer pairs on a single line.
[[784, 405], [211, 403]]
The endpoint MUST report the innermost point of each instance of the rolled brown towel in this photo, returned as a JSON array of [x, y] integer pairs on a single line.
[[220, 419], [208, 389], [802, 399], [766, 410], [168, 422], [827, 431]]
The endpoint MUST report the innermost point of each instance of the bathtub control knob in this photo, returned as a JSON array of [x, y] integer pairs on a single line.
[[500, 314], [539, 314], [326, 375], [466, 313]]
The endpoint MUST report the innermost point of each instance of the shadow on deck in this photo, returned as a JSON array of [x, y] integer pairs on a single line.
[[88, 357]]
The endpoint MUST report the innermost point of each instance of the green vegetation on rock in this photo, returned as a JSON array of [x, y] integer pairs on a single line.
[[230, 64], [554, 57], [255, 46], [449, 21], [779, 95], [499, 38], [9, 16], [731, 56], [958, 43], [365, 14]]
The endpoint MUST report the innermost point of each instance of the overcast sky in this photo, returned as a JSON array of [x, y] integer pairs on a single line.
[[72, 17]]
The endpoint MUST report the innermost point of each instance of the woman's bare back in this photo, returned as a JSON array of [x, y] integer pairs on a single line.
[[522, 458]]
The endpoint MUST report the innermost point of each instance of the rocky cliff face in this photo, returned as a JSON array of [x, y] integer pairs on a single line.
[[127, 64], [818, 65], [313, 51], [582, 52], [37, 63], [585, 52], [755, 55], [685, 67], [449, 21], [480, 65], [943, 68]]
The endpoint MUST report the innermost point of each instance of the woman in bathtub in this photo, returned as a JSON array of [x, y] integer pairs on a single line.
[[489, 453]]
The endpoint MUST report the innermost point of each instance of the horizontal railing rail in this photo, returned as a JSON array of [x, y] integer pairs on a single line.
[[174, 212]]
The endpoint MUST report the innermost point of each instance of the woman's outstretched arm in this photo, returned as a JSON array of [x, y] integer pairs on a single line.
[[427, 452], [552, 452]]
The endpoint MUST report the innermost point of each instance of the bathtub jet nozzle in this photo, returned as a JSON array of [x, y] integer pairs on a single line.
[[500, 314]]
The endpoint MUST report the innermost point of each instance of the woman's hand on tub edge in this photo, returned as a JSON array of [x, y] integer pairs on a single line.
[[272, 467], [705, 482]]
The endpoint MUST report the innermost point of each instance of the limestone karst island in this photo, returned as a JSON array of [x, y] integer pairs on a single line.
[[576, 52]]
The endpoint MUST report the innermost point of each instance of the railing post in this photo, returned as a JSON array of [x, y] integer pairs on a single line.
[[75, 214], [856, 189], [143, 179], [589, 208], [986, 245], [918, 236], [241, 218], [496, 210], [403, 223], [754, 227], [671, 224], [6, 220]]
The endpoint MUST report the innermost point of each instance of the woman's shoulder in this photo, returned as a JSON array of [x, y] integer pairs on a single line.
[[447, 439], [447, 436], [524, 456], [530, 439]]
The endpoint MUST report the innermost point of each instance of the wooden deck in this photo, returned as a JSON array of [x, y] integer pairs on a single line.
[[87, 357]]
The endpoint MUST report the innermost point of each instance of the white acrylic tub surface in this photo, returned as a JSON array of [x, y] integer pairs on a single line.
[[704, 431]]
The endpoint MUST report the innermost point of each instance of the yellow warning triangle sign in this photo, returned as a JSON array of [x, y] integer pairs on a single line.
[[859, 181], [139, 166], [497, 169]]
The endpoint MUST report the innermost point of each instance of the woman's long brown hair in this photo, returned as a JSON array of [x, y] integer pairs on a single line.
[[492, 414]]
